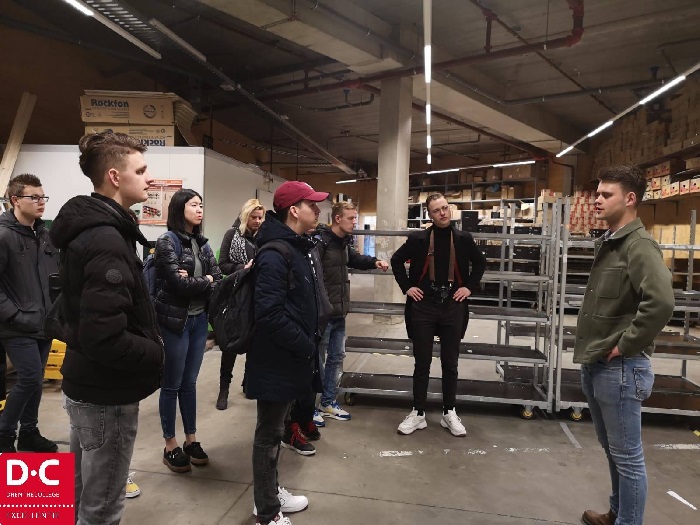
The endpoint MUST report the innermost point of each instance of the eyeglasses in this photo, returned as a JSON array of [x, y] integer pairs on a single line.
[[35, 198]]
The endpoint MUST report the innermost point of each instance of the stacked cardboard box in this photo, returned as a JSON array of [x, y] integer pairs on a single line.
[[156, 119]]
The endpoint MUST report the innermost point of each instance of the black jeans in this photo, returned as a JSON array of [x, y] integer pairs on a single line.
[[228, 359], [445, 320], [303, 410], [266, 452]]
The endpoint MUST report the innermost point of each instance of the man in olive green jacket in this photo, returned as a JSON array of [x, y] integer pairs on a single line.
[[628, 301]]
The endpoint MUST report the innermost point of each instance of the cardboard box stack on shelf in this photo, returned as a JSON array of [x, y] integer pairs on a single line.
[[156, 119], [636, 140]]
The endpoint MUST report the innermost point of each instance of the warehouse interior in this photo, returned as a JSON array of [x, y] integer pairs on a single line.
[[516, 109]]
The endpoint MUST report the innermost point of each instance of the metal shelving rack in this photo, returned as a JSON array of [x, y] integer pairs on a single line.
[[530, 389], [672, 394]]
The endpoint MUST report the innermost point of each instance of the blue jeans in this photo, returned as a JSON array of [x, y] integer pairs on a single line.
[[102, 439], [332, 350], [29, 358], [183, 359], [615, 392]]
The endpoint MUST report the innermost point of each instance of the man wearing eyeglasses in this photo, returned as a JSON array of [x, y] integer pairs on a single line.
[[27, 258]]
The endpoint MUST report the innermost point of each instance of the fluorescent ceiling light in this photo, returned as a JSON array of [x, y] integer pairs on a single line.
[[564, 151], [519, 163], [430, 158], [427, 54], [226, 86], [429, 141], [427, 114], [345, 181], [600, 128], [80, 7], [442, 171], [662, 89], [179, 41]]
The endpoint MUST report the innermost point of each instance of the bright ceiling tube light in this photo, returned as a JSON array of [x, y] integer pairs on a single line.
[[347, 181], [80, 7], [600, 128], [179, 41], [442, 171], [114, 27], [518, 163], [564, 151], [429, 141], [662, 89], [427, 114], [430, 158], [427, 39], [427, 54]]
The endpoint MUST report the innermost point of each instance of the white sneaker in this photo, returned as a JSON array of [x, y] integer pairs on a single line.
[[318, 419], [333, 410], [452, 422], [279, 520], [412, 422], [288, 502], [132, 489]]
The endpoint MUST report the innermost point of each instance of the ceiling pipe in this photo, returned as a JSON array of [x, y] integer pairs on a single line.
[[532, 150], [570, 40], [577, 7], [347, 105]]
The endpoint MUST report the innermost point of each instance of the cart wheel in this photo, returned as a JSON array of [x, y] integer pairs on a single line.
[[349, 399], [576, 415], [527, 413]]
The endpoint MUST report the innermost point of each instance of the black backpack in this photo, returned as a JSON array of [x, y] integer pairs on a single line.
[[231, 311]]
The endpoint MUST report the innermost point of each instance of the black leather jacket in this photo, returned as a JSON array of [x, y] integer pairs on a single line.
[[173, 299]]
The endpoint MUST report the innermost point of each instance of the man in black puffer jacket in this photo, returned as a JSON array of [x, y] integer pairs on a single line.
[[115, 353], [283, 355], [338, 255]]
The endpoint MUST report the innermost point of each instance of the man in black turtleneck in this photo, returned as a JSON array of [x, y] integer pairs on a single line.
[[437, 286], [115, 354]]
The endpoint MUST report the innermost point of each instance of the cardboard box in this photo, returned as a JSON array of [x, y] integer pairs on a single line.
[[669, 167], [148, 135], [657, 194], [665, 180], [691, 164], [665, 191], [494, 175], [656, 183], [127, 110], [684, 187], [648, 195], [695, 185]]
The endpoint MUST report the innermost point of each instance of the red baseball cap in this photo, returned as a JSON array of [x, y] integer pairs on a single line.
[[294, 191]]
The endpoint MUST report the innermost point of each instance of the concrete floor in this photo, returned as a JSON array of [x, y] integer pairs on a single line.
[[506, 470]]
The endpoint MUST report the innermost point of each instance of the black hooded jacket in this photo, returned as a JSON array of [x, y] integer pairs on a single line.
[[283, 357], [115, 352], [27, 258]]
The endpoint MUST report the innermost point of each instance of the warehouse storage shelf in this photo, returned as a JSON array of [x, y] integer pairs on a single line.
[[682, 153], [462, 185], [672, 394], [538, 355]]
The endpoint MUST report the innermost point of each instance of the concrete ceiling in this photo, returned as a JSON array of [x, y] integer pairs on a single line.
[[270, 47]]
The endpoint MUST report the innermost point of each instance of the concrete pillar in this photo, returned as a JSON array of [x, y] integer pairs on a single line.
[[392, 185]]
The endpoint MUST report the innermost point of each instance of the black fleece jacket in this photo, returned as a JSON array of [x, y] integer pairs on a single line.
[[115, 352]]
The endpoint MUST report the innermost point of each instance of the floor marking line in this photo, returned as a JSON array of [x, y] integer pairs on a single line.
[[674, 495], [395, 453], [678, 446], [568, 433]]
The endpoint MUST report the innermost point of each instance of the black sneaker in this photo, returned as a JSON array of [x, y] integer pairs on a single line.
[[311, 431], [294, 439], [176, 460], [33, 441], [196, 454], [7, 444]]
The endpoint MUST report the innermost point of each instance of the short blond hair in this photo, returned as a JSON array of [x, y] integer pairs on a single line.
[[249, 207], [339, 208]]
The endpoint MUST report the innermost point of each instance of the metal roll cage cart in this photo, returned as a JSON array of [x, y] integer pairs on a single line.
[[672, 394], [528, 385]]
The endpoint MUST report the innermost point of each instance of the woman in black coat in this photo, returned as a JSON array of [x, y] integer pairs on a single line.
[[186, 271], [237, 252]]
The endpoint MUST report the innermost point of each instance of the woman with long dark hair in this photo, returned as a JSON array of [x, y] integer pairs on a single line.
[[186, 271]]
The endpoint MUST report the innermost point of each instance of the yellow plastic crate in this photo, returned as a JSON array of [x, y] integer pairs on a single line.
[[55, 360]]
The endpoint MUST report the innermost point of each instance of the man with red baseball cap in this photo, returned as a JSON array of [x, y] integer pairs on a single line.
[[284, 354]]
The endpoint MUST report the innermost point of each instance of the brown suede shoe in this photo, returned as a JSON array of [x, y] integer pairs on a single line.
[[593, 518]]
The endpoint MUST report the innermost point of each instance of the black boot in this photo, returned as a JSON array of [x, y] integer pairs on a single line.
[[33, 441], [222, 400], [7, 443]]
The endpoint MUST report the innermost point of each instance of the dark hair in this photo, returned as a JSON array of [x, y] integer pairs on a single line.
[[283, 214], [16, 186], [100, 152], [630, 178], [176, 211], [433, 197]]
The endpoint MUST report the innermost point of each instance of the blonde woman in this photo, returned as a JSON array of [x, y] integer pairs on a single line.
[[237, 252]]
